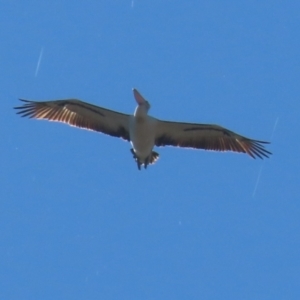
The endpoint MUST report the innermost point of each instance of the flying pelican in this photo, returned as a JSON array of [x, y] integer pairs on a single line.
[[141, 130]]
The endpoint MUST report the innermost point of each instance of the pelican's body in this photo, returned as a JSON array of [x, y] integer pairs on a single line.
[[143, 131], [142, 136]]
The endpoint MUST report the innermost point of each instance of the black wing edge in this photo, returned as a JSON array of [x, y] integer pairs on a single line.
[[27, 109], [257, 149]]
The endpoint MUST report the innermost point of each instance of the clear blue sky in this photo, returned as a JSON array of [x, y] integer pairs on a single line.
[[79, 221]]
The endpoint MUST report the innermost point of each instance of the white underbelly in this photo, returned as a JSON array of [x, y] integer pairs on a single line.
[[142, 136]]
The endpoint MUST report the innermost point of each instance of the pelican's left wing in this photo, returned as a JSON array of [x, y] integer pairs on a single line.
[[207, 137], [80, 114]]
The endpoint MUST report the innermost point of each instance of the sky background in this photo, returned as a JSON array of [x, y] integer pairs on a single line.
[[79, 221]]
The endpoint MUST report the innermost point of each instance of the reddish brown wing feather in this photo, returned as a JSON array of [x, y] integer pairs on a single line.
[[208, 137], [78, 113]]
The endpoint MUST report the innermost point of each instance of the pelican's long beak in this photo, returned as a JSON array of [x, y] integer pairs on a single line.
[[138, 97]]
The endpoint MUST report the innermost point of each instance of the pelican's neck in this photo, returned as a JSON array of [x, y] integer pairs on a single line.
[[141, 111]]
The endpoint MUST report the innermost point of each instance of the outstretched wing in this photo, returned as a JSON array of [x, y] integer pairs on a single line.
[[207, 137], [79, 114]]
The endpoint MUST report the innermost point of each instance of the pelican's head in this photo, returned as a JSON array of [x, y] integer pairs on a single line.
[[143, 104]]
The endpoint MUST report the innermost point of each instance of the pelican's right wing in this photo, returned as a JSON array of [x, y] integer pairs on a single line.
[[79, 114]]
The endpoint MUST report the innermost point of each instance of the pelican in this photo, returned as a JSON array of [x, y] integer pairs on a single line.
[[141, 130]]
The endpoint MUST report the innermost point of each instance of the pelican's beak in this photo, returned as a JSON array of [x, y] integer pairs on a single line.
[[138, 97]]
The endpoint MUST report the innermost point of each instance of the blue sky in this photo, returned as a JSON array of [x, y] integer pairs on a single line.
[[79, 221]]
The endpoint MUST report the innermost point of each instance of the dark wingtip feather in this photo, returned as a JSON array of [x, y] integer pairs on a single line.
[[262, 142], [24, 105], [25, 100], [258, 150]]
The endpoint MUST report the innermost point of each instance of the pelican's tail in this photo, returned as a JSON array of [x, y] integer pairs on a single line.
[[151, 159]]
